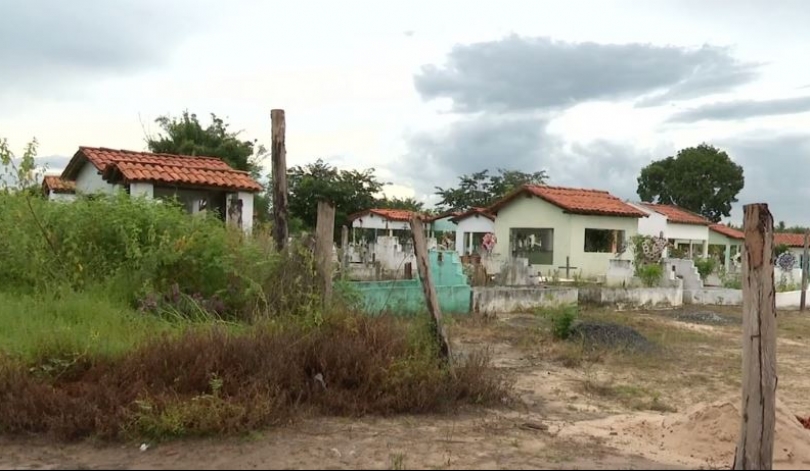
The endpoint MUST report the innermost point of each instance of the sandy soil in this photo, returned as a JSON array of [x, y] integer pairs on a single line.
[[677, 409]]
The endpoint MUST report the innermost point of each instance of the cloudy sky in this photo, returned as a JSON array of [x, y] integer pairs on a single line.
[[425, 91]]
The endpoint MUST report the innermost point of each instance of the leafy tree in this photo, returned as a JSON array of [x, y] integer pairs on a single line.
[[349, 190], [185, 135], [702, 179], [410, 204], [19, 173], [481, 189]]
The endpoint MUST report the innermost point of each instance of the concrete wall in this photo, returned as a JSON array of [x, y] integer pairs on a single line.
[[653, 225], [476, 224], [569, 234], [89, 181], [407, 297], [532, 212], [443, 225], [512, 299], [672, 296], [686, 270], [247, 210], [713, 296], [61, 197], [372, 221], [142, 190], [691, 232], [788, 300], [596, 264]]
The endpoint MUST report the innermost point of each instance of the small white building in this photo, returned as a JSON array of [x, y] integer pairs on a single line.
[[199, 183], [386, 220], [471, 227], [56, 189], [686, 231]]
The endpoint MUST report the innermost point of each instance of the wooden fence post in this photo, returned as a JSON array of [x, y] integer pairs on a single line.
[[805, 265], [324, 245], [431, 298], [344, 252], [755, 446], [278, 151]]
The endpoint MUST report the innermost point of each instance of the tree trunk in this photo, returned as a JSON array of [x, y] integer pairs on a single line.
[[278, 151]]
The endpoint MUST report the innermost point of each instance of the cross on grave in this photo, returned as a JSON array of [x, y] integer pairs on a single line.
[[568, 267]]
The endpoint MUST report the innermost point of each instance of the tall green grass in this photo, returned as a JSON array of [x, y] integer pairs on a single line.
[[85, 323]]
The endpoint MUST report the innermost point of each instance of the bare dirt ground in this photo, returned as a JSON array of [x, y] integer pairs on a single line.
[[574, 408]]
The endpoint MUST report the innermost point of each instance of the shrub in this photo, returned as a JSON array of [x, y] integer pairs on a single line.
[[562, 322], [218, 381], [650, 274], [705, 266], [153, 256]]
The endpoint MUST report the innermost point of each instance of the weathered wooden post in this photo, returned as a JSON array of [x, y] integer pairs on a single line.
[[431, 298], [279, 175], [755, 447], [344, 252], [324, 243], [805, 265]]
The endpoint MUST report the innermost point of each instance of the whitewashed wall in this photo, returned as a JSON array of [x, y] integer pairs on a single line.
[[474, 223], [687, 232], [372, 221], [62, 197], [89, 181], [653, 225]]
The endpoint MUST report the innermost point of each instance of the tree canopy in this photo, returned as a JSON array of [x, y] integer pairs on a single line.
[[185, 135], [481, 189], [350, 191], [410, 204], [702, 179]]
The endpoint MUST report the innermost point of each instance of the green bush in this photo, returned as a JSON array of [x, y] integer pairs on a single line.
[[153, 256], [562, 322], [650, 274], [705, 266]]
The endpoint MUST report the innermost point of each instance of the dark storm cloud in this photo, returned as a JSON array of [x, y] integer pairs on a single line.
[[776, 168], [741, 109], [517, 73], [47, 46]]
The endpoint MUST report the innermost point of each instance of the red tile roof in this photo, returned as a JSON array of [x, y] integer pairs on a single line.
[[55, 184], [443, 215], [789, 239], [131, 166], [678, 215], [729, 232], [471, 212], [390, 214], [574, 201]]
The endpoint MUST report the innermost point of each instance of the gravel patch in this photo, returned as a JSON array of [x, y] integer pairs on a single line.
[[611, 335]]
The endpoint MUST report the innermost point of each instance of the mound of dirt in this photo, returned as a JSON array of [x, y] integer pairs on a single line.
[[707, 317], [610, 335], [707, 434]]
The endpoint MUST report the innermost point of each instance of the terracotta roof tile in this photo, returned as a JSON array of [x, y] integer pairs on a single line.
[[168, 169], [789, 239], [729, 232], [55, 184], [575, 201], [471, 212], [678, 215], [390, 214]]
